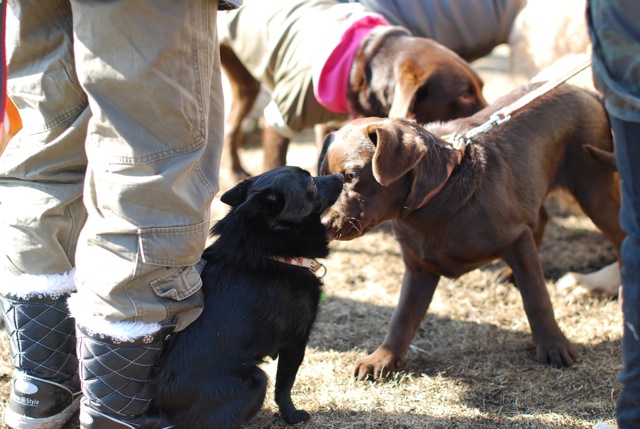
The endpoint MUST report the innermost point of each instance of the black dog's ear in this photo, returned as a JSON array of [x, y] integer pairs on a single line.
[[236, 195], [262, 203]]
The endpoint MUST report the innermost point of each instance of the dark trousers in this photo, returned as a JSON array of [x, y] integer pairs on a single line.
[[627, 136]]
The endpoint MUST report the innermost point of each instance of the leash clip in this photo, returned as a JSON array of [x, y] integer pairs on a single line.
[[499, 117], [480, 129], [464, 139]]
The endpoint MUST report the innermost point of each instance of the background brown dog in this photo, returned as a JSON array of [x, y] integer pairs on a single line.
[[393, 71], [451, 219]]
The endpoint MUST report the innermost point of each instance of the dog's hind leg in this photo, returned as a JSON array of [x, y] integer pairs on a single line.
[[244, 92], [253, 398], [551, 344], [598, 194], [289, 361], [227, 401]]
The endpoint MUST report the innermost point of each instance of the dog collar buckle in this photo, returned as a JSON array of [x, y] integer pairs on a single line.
[[309, 263]]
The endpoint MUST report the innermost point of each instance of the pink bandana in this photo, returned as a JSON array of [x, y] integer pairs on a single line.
[[331, 83]]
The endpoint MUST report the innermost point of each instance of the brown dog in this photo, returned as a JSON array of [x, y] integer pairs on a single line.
[[275, 44], [454, 211]]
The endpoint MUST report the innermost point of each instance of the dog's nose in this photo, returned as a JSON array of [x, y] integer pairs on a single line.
[[329, 182], [329, 189]]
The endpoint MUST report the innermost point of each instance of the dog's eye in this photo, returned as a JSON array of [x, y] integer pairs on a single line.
[[349, 175], [466, 97]]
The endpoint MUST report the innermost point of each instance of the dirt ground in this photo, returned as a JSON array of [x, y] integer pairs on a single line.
[[472, 364]]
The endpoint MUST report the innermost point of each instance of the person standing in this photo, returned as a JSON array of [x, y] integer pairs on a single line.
[[104, 200], [470, 28], [614, 27]]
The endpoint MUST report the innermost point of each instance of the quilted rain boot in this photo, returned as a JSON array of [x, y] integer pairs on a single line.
[[117, 380], [45, 388]]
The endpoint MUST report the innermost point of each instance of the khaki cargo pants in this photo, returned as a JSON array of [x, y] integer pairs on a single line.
[[114, 171]]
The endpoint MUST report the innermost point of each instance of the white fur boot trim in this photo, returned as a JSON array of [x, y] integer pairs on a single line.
[[124, 331], [26, 285]]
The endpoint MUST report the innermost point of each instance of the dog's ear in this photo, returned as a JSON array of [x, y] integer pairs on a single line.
[[323, 151], [410, 78], [245, 204], [428, 179], [430, 175], [402, 147], [262, 203], [399, 148], [236, 195]]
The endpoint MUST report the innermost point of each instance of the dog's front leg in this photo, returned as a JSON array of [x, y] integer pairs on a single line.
[[274, 147], [551, 344], [415, 297], [289, 361]]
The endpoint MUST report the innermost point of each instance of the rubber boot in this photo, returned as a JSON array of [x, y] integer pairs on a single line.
[[45, 388], [117, 380]]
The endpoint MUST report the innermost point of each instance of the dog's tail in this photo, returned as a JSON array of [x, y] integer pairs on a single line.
[[604, 157]]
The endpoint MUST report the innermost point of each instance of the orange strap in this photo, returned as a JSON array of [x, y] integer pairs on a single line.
[[13, 117]]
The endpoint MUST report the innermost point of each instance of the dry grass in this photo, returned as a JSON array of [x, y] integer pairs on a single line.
[[472, 364]]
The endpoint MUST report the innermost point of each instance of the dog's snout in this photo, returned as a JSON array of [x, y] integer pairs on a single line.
[[329, 189]]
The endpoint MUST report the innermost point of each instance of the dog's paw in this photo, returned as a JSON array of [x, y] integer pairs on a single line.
[[558, 353], [605, 281], [297, 416], [379, 364]]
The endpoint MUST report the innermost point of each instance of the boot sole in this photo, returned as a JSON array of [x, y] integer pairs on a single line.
[[19, 421]]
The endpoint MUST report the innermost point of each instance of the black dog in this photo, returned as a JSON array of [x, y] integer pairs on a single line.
[[259, 302]]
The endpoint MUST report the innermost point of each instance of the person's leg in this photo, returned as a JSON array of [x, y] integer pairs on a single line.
[[41, 213], [151, 71], [627, 135]]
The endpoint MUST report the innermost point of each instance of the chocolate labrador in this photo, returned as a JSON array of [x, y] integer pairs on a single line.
[[261, 296], [456, 210], [278, 44]]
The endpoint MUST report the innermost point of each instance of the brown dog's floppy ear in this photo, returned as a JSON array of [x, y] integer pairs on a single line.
[[323, 151], [410, 78], [399, 148], [430, 175]]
